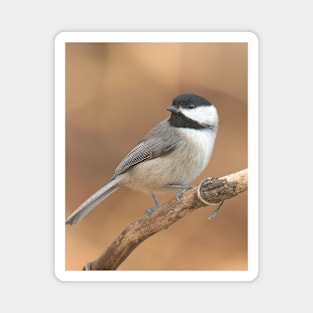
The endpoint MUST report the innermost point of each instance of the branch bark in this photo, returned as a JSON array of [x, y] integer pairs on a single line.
[[211, 191]]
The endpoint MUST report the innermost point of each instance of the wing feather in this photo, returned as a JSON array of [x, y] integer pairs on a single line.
[[157, 142]]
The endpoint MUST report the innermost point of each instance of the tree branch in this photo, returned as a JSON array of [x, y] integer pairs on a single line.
[[211, 191]]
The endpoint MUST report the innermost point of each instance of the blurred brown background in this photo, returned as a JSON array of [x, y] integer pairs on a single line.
[[117, 92]]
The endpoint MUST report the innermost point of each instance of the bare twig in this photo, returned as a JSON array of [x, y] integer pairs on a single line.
[[209, 191]]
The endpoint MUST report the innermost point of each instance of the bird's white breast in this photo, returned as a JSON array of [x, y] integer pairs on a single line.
[[200, 145]]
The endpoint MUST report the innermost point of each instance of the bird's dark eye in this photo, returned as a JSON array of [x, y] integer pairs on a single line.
[[190, 106]]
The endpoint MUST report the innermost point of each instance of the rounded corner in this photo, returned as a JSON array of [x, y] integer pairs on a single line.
[[60, 37], [254, 36], [254, 276], [59, 276]]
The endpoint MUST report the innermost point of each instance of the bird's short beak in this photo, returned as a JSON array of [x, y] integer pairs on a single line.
[[173, 109]]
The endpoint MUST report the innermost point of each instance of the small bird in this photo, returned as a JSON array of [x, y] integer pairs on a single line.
[[169, 157]]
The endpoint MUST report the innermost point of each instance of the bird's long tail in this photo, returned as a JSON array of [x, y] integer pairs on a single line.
[[92, 202]]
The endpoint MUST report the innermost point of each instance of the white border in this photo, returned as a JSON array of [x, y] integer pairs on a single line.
[[253, 227]]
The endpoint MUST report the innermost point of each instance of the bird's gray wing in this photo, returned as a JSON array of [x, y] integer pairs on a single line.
[[158, 142]]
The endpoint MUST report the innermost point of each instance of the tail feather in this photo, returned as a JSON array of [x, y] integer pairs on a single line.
[[92, 202]]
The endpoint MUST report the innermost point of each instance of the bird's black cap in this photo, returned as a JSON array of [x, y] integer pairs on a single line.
[[187, 100]]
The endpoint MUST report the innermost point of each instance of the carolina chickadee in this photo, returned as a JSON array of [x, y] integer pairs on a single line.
[[170, 156]]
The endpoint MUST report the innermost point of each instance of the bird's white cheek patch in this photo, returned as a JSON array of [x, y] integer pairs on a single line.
[[205, 115]]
